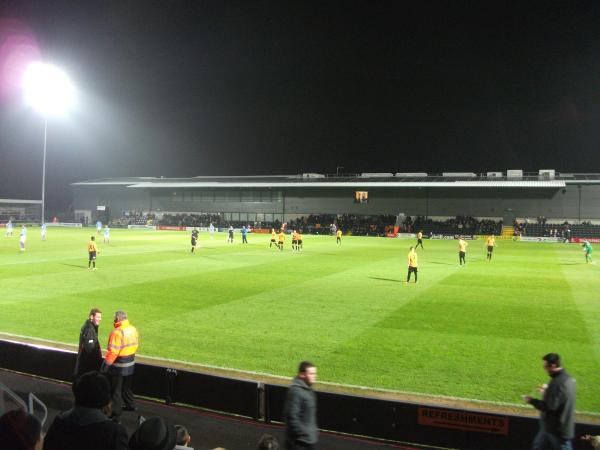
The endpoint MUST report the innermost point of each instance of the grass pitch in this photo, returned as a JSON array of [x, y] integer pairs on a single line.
[[474, 332]]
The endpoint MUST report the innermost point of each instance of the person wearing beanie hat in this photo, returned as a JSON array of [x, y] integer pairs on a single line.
[[153, 434], [87, 426], [92, 390]]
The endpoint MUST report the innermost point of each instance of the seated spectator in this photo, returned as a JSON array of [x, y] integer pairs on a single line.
[[87, 426], [183, 438], [268, 442], [153, 434], [20, 431]]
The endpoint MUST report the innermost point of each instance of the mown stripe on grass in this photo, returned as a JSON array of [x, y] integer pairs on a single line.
[[448, 333]]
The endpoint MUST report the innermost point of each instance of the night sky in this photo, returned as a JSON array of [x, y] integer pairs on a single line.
[[185, 88]]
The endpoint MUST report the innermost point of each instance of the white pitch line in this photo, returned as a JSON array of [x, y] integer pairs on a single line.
[[328, 383]]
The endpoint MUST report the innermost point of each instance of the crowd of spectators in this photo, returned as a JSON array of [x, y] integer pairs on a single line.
[[349, 223], [455, 225], [565, 230], [357, 225], [87, 426], [133, 217], [197, 220], [364, 225]]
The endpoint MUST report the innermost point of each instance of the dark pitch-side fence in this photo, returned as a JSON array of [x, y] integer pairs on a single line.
[[359, 415]]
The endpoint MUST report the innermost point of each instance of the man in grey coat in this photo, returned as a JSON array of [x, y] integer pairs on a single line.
[[300, 410], [557, 407]]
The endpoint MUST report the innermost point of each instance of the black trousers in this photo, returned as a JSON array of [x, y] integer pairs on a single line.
[[461, 258], [411, 270], [121, 393]]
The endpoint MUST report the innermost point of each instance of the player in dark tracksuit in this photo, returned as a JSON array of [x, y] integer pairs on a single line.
[[194, 239]]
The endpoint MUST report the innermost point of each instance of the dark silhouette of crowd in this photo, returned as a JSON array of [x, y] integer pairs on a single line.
[[455, 225], [87, 426], [565, 230], [198, 220], [376, 225]]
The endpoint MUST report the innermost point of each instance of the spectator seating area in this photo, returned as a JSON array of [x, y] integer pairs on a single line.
[[133, 218], [457, 225], [348, 223], [196, 220], [562, 230], [376, 225]]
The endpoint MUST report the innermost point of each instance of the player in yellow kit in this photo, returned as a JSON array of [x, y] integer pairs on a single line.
[[280, 240], [338, 237], [490, 243], [273, 236], [294, 240], [413, 263], [299, 241], [92, 251], [462, 251]]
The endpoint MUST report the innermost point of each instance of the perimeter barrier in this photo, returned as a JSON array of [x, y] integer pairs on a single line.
[[353, 414]]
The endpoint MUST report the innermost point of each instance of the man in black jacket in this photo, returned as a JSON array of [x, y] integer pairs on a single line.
[[557, 407], [87, 426], [300, 410], [89, 356]]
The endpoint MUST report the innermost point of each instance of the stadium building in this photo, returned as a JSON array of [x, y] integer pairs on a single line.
[[496, 195]]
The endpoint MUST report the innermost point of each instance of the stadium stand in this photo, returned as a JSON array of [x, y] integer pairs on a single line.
[[358, 225], [457, 225], [582, 230]]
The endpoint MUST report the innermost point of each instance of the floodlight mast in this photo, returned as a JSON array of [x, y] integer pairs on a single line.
[[44, 171], [49, 91]]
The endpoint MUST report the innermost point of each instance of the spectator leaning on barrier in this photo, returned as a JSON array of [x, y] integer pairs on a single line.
[[89, 355], [300, 409], [20, 431], [119, 363], [557, 407], [87, 426]]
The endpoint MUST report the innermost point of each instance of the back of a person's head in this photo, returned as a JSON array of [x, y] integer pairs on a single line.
[[268, 442], [153, 434], [92, 390], [20, 431], [183, 435]]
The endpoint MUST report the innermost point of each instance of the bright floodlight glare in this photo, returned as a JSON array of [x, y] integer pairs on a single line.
[[47, 89]]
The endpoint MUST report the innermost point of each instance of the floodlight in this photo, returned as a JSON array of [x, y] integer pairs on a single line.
[[47, 89]]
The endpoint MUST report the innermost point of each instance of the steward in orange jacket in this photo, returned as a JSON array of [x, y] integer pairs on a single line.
[[122, 345]]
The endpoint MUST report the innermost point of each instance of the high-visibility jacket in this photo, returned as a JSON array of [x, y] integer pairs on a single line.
[[122, 345]]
